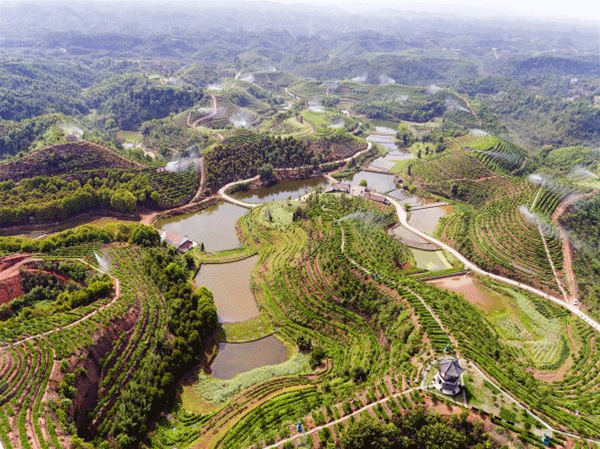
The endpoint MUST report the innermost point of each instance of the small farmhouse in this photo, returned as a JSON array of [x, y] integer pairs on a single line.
[[183, 244]]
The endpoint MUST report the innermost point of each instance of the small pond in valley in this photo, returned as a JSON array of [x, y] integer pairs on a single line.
[[236, 358], [387, 137], [375, 181], [294, 188], [230, 286], [427, 219], [213, 226]]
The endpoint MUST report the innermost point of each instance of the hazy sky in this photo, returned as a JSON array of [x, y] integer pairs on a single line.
[[574, 9], [588, 10]]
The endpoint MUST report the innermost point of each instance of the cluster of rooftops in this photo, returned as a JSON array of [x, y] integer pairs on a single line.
[[363, 191]]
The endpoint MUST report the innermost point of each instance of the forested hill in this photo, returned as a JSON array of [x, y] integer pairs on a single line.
[[28, 89]]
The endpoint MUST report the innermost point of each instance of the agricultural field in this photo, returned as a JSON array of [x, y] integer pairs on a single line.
[[277, 244], [504, 223], [43, 363]]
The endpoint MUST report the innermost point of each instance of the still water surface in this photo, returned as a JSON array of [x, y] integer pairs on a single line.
[[282, 190], [236, 358], [213, 226], [230, 286]]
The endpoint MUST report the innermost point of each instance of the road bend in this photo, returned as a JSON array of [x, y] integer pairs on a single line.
[[403, 217]]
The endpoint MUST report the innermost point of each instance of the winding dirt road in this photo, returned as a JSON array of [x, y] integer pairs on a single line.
[[213, 104], [83, 318], [403, 217], [566, 241]]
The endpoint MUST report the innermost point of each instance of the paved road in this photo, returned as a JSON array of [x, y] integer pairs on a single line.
[[403, 217], [223, 190], [226, 197]]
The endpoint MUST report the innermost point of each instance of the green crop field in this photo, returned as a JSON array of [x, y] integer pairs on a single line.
[[119, 123]]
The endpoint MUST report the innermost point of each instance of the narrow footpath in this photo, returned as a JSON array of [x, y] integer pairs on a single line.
[[424, 387], [343, 418]]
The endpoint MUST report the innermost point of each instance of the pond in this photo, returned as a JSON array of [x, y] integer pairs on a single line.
[[430, 260], [213, 226], [230, 285], [315, 106], [426, 220], [295, 188], [387, 138], [407, 236], [236, 358], [375, 181]]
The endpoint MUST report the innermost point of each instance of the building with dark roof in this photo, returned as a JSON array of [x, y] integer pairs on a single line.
[[376, 197], [447, 379]]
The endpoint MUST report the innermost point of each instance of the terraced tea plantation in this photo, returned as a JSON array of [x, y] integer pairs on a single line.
[[504, 224], [78, 367], [107, 341]]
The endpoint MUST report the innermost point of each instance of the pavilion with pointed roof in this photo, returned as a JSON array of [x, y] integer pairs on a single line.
[[447, 379]]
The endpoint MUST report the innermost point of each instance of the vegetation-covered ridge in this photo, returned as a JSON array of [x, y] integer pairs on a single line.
[[249, 155], [106, 341], [108, 388], [60, 181], [504, 224]]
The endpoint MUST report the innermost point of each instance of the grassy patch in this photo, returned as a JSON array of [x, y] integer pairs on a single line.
[[192, 401], [249, 330], [217, 391], [316, 118], [129, 137], [279, 213], [225, 256], [424, 147], [400, 166]]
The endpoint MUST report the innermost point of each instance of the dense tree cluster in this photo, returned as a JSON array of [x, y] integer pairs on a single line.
[[542, 93], [63, 159], [19, 136], [133, 99], [171, 139], [96, 289], [136, 233], [192, 318], [421, 111], [226, 163], [60, 181], [64, 285], [53, 198], [417, 429], [31, 88]]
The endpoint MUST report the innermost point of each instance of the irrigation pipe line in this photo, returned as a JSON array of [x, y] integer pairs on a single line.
[[403, 217]]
